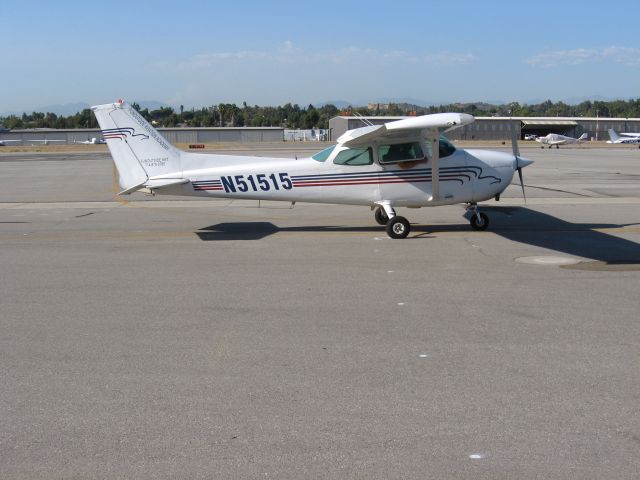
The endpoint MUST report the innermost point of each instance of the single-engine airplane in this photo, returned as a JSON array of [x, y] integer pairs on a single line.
[[629, 138], [555, 139], [405, 163]]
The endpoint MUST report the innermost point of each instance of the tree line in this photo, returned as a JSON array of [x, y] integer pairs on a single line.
[[293, 116]]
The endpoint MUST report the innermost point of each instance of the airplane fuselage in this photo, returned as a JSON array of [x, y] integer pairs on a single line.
[[464, 176]]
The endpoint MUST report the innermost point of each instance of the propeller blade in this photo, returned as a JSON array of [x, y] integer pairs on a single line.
[[522, 184], [514, 141]]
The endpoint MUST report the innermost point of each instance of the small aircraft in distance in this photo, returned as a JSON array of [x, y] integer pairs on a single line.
[[93, 141], [631, 138], [555, 139], [405, 163], [3, 143]]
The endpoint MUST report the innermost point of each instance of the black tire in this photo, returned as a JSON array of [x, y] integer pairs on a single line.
[[381, 216], [398, 227], [482, 224]]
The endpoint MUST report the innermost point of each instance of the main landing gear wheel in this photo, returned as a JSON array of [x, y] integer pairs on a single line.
[[480, 224], [381, 216], [398, 227]]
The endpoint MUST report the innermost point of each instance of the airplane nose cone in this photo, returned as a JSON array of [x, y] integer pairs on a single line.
[[523, 162]]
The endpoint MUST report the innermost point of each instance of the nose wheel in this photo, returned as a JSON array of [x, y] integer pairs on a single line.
[[477, 219]]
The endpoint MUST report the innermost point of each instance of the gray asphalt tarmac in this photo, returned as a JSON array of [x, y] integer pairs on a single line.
[[171, 338]]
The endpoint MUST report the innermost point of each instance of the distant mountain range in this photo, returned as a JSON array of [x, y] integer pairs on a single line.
[[68, 109]]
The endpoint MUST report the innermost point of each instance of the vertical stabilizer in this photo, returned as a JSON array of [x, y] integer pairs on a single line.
[[138, 149], [613, 135]]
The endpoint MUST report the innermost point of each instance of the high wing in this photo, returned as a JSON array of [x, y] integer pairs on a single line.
[[423, 126], [409, 127]]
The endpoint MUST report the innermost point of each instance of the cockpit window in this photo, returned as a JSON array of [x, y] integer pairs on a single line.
[[322, 155], [400, 152], [446, 147], [354, 156]]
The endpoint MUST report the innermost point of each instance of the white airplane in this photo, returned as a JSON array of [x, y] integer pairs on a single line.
[[380, 166], [632, 138], [3, 143], [93, 141], [555, 139]]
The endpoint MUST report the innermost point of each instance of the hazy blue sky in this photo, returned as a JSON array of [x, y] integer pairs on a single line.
[[199, 53]]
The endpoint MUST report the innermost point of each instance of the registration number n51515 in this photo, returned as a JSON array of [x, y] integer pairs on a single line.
[[255, 183]]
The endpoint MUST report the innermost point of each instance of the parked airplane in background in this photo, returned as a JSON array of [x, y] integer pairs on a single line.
[[632, 138], [93, 141], [3, 143], [404, 163], [555, 139]]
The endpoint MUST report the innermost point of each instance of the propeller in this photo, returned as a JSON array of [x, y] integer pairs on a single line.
[[520, 162]]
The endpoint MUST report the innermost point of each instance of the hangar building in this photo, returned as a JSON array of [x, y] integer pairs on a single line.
[[173, 135]]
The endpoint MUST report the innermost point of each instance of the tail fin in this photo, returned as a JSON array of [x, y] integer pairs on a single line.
[[583, 137], [613, 135], [138, 149]]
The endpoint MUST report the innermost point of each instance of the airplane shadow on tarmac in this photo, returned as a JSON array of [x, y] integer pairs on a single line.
[[518, 224], [531, 227]]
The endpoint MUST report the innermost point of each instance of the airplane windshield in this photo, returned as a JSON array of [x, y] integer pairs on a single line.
[[322, 155], [446, 147]]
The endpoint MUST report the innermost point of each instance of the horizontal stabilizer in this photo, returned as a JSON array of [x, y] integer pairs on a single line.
[[155, 183], [132, 189], [165, 182]]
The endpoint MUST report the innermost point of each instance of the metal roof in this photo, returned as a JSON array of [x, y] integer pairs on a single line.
[[572, 123]]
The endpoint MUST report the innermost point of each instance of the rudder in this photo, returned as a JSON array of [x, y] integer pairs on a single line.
[[138, 149]]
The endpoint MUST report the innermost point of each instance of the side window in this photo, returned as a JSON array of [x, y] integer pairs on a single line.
[[400, 152], [324, 154], [354, 156], [446, 148]]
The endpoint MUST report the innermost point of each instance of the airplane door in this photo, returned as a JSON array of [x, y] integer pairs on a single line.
[[405, 177]]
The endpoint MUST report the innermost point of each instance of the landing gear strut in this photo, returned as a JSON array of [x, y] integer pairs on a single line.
[[478, 220]]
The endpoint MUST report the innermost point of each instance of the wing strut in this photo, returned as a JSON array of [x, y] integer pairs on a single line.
[[435, 168]]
